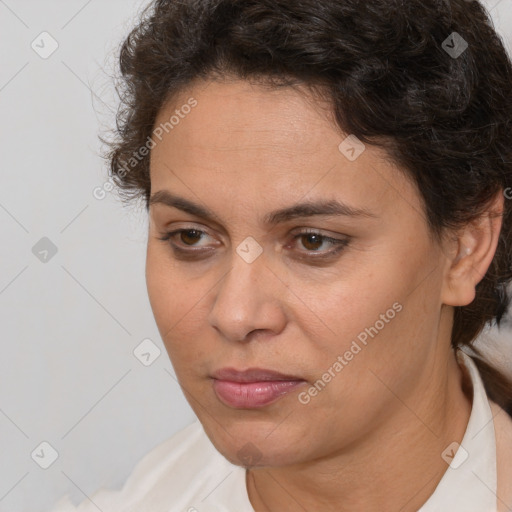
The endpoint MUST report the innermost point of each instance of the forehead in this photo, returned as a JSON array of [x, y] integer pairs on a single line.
[[239, 116], [242, 140]]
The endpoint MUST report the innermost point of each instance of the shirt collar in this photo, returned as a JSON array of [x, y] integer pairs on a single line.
[[470, 482]]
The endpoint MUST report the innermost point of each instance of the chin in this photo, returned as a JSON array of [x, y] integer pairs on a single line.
[[251, 443]]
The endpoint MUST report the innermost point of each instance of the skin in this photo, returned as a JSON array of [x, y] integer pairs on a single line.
[[383, 422]]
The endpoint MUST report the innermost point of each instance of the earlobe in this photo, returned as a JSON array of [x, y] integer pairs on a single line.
[[476, 246]]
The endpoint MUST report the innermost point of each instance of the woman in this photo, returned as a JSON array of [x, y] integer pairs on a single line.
[[328, 186]]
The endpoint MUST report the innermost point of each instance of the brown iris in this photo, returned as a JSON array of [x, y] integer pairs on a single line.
[[196, 236], [309, 236]]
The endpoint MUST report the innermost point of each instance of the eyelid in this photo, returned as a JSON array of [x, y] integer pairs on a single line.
[[316, 231], [299, 230]]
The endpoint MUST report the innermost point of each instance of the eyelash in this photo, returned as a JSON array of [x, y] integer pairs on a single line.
[[339, 244]]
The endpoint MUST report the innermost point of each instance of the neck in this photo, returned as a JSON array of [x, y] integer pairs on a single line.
[[396, 467]]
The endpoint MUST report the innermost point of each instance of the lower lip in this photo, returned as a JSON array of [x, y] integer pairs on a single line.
[[250, 395]]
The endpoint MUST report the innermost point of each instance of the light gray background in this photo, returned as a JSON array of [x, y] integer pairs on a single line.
[[70, 325]]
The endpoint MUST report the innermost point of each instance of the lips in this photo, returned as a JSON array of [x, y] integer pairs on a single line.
[[252, 375], [252, 388]]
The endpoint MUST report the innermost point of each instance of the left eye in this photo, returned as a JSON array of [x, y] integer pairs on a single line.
[[312, 241]]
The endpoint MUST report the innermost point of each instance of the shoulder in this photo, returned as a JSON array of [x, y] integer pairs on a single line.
[[503, 433], [175, 472]]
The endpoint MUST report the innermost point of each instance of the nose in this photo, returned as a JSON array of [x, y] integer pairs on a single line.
[[249, 299]]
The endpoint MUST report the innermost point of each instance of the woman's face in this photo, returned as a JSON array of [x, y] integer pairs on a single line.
[[354, 308]]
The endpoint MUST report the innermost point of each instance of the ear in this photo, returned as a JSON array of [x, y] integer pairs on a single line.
[[470, 253]]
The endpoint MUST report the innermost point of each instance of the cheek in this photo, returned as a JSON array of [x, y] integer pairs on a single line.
[[362, 300], [160, 287], [382, 315], [179, 306], [165, 286]]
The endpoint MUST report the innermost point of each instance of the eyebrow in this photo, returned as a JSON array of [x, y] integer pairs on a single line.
[[306, 209]]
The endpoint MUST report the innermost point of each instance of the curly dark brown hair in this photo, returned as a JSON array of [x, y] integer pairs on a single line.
[[391, 77]]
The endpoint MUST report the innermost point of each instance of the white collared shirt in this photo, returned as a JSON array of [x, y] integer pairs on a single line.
[[469, 484], [187, 474]]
